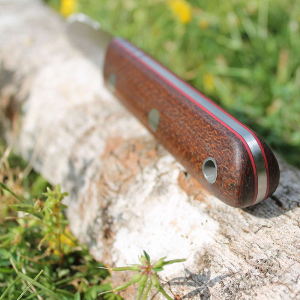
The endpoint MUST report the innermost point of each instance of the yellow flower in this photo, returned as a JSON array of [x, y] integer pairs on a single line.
[[66, 239], [67, 7], [62, 244], [209, 82], [182, 10]]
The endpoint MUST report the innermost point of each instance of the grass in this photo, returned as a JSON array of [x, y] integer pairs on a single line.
[[39, 256], [243, 54]]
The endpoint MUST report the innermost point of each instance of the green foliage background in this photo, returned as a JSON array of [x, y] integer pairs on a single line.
[[243, 54]]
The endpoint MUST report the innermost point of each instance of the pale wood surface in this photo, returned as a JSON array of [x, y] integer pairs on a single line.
[[126, 192]]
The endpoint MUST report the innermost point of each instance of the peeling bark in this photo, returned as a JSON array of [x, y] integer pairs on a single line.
[[126, 192]]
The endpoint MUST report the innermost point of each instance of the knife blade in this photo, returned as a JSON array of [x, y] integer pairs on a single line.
[[228, 159]]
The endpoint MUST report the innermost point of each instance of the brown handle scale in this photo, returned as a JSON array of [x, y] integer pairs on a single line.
[[200, 134]]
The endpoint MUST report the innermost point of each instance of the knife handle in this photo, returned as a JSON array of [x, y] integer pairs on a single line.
[[226, 157]]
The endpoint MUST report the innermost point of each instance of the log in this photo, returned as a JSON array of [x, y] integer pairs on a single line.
[[126, 193]]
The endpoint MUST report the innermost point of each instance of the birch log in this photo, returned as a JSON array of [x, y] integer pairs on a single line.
[[126, 193]]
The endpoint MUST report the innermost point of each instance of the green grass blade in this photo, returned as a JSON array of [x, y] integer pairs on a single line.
[[147, 256], [38, 285], [28, 209], [141, 288], [8, 288], [174, 261], [28, 287], [136, 278], [128, 268], [7, 189], [164, 293], [147, 290], [159, 287]]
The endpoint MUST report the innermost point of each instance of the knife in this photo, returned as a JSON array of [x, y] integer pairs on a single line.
[[228, 159]]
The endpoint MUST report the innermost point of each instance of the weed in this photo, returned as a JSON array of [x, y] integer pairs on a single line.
[[39, 256], [146, 276]]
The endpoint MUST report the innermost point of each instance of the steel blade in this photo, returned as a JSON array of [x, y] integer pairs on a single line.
[[88, 36]]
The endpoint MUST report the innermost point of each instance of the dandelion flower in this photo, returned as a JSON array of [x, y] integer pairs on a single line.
[[67, 7], [182, 10]]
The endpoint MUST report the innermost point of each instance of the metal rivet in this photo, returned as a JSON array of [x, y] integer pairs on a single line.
[[153, 119], [210, 170]]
